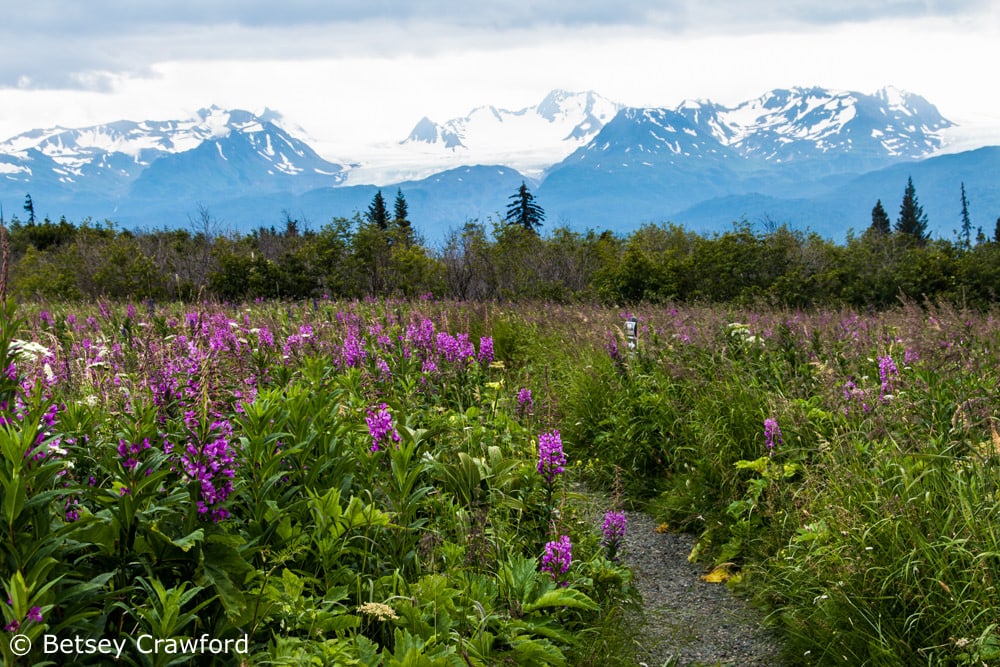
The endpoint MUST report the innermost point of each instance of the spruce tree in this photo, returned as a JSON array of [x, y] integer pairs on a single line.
[[377, 213], [965, 235], [880, 219], [523, 210], [29, 208], [911, 219], [401, 211]]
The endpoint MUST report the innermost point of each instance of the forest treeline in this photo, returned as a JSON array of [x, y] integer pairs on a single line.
[[382, 256]]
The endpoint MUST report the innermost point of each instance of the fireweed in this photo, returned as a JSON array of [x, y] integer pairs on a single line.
[[887, 374], [854, 395], [380, 427], [129, 452], [524, 402], [208, 459], [613, 533], [557, 558], [551, 459], [772, 436]]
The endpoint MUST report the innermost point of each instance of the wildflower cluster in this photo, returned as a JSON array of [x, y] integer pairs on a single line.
[[558, 557], [34, 615], [551, 459], [380, 427], [613, 531], [772, 436], [855, 395], [887, 374], [208, 460], [524, 402], [130, 451]]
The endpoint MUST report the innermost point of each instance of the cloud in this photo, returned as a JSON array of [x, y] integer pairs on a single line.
[[56, 44]]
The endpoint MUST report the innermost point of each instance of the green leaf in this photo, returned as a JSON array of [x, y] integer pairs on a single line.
[[561, 597], [224, 570]]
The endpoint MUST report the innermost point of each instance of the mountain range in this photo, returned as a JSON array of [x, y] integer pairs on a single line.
[[812, 158]]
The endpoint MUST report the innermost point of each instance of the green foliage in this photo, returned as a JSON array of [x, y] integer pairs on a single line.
[[323, 550], [376, 254], [868, 530]]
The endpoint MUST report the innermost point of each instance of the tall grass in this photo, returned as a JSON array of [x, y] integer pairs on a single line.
[[870, 532]]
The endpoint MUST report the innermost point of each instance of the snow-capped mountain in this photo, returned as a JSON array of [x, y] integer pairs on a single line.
[[790, 126], [529, 140], [590, 162], [802, 123], [111, 158], [783, 141]]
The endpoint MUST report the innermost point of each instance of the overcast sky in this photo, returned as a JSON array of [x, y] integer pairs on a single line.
[[358, 71]]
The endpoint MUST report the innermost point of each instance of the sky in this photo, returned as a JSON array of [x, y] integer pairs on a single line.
[[355, 72]]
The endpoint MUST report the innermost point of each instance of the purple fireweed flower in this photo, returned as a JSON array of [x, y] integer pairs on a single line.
[[385, 374], [558, 557], [353, 351], [129, 452], [209, 460], [910, 357], [421, 336], [854, 394], [486, 350], [265, 338], [887, 373], [551, 459], [772, 436], [611, 345], [380, 427], [613, 531], [524, 401]]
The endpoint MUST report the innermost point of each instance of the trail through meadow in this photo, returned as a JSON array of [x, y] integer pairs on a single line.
[[689, 621]]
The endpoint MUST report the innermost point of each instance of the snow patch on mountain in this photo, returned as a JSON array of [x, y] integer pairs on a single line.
[[529, 140]]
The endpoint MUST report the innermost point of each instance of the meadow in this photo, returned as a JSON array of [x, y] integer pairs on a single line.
[[434, 482]]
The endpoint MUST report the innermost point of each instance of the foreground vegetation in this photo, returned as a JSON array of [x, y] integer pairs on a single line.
[[842, 468], [362, 483], [388, 482]]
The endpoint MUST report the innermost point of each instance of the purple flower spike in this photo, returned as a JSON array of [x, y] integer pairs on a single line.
[[524, 401], [614, 528], [558, 557], [772, 436], [887, 373], [551, 459], [380, 427]]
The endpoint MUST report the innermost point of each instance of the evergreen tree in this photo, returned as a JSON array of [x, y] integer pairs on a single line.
[[29, 208], [377, 213], [401, 211], [880, 219], [965, 235], [523, 210], [996, 232], [911, 219]]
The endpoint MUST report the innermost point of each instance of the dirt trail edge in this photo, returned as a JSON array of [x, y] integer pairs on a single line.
[[688, 621]]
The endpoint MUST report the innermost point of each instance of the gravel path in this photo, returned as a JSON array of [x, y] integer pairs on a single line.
[[686, 620]]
